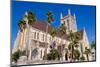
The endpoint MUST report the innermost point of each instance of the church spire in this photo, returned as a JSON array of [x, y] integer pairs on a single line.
[[69, 13], [26, 13], [74, 16], [84, 28], [84, 31], [61, 17], [86, 37]]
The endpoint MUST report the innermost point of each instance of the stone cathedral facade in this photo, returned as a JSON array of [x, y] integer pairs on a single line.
[[35, 39]]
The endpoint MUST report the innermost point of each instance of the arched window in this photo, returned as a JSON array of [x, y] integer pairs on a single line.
[[43, 37], [35, 52], [41, 53], [34, 35], [38, 35]]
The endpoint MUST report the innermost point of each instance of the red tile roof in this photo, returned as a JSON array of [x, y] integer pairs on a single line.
[[42, 26], [81, 34]]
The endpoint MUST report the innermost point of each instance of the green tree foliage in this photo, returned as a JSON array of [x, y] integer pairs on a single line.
[[31, 18], [74, 40], [21, 25], [82, 58], [76, 54], [53, 55], [17, 54], [63, 28], [93, 45], [50, 17], [53, 32], [87, 53]]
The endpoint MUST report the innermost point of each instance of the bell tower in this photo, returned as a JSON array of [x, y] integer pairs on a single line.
[[70, 22]]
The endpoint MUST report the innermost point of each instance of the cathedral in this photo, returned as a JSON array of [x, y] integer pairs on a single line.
[[37, 41]]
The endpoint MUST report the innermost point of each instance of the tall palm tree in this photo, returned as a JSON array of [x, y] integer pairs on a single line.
[[22, 26], [75, 52], [63, 31], [50, 19], [53, 34], [87, 53], [30, 19], [74, 40]]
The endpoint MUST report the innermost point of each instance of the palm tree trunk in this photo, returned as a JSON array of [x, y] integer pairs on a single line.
[[61, 50], [72, 51], [46, 42], [87, 57], [72, 48]]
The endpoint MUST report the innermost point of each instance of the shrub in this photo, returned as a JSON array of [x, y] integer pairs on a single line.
[[53, 55]]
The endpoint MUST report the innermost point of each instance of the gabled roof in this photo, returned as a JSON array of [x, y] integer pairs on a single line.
[[42, 26], [81, 34]]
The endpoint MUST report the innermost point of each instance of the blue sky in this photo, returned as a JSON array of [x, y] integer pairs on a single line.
[[85, 15]]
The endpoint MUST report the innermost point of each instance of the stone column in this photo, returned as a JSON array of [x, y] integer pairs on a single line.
[[30, 54], [30, 50]]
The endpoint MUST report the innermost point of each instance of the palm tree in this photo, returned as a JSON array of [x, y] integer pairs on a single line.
[[93, 50], [93, 45], [74, 39], [63, 31], [76, 54], [53, 55], [50, 19], [16, 55], [22, 25], [31, 18], [63, 28], [53, 32], [82, 58], [87, 52]]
